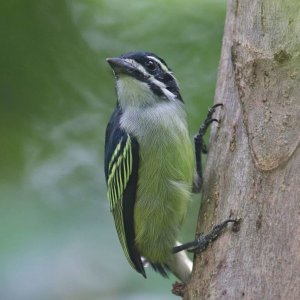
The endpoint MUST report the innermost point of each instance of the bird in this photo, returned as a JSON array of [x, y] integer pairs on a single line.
[[150, 165]]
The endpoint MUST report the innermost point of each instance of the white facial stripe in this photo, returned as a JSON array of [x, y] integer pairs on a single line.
[[151, 78], [137, 66], [157, 82], [169, 94], [164, 68], [160, 63], [143, 70]]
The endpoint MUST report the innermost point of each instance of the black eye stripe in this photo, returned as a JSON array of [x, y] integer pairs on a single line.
[[167, 77], [151, 65], [160, 80], [155, 89]]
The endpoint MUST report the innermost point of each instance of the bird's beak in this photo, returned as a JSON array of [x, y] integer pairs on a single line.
[[120, 66]]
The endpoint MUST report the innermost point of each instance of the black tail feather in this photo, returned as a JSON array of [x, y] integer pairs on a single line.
[[162, 269]]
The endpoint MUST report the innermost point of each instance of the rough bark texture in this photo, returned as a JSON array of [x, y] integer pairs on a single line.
[[253, 165]]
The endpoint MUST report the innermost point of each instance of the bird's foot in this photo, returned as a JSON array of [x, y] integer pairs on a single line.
[[198, 138], [200, 146], [201, 243]]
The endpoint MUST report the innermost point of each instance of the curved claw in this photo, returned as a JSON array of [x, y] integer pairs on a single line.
[[214, 120], [202, 241], [217, 105], [213, 108], [200, 146], [205, 125]]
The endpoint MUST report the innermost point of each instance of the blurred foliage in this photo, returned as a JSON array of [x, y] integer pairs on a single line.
[[57, 238]]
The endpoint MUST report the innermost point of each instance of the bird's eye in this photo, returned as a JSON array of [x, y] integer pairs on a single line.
[[150, 65]]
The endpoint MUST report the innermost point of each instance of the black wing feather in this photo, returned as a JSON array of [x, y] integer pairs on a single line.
[[115, 134]]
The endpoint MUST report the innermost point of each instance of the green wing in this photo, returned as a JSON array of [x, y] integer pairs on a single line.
[[122, 160], [120, 169]]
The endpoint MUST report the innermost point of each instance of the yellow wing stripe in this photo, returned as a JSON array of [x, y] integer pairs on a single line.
[[120, 169], [120, 226], [116, 152], [117, 184]]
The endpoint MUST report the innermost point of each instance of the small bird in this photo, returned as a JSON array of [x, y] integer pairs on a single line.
[[150, 166]]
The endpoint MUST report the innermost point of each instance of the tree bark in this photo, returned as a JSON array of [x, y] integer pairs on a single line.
[[253, 165]]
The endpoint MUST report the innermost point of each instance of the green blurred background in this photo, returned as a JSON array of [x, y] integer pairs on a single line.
[[57, 237]]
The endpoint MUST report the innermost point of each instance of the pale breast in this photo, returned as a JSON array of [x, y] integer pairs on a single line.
[[165, 175]]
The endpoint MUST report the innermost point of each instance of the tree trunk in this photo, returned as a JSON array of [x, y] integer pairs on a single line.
[[253, 164]]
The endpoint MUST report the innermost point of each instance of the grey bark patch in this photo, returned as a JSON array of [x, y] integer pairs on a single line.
[[265, 82]]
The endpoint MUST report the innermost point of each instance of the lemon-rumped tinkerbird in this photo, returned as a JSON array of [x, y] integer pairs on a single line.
[[150, 166]]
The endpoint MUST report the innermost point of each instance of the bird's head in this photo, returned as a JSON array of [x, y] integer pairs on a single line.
[[143, 79]]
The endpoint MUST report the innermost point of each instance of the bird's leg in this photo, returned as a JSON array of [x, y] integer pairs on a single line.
[[201, 243], [200, 146]]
